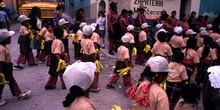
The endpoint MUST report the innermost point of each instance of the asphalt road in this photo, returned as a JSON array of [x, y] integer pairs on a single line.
[[34, 79]]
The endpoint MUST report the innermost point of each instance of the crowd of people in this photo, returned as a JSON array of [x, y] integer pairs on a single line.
[[176, 54]]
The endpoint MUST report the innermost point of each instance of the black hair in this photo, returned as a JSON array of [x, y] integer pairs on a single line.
[[101, 12], [151, 76], [207, 42], [191, 93], [164, 16], [124, 11], [178, 56], [45, 22], [130, 12], [193, 12], [173, 12], [58, 32], [49, 23], [34, 11], [58, 7], [78, 11], [191, 43], [75, 91], [162, 36]]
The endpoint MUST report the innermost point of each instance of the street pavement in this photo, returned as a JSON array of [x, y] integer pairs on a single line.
[[35, 78]]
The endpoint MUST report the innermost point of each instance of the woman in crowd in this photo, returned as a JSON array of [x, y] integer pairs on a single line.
[[57, 15], [112, 19]]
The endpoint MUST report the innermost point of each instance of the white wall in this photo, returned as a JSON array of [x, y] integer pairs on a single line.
[[195, 6]]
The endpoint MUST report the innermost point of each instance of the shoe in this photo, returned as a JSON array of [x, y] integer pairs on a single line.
[[94, 90], [49, 88], [24, 95], [40, 62], [34, 64], [103, 46], [111, 52], [2, 102], [18, 67], [110, 86]]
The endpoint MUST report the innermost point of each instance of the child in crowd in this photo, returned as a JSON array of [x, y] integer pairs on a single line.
[[189, 34], [176, 78], [87, 45], [78, 78], [78, 38], [63, 24], [96, 39], [176, 41], [142, 38], [190, 98], [24, 41], [122, 63], [161, 47], [158, 27], [101, 22], [57, 56], [191, 58], [48, 37], [129, 33], [200, 36], [207, 57], [6, 68], [149, 95], [130, 17], [41, 35]]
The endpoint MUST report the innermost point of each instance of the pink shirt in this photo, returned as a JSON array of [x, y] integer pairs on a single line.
[[95, 38], [122, 53], [42, 32], [177, 41], [172, 21], [185, 39], [48, 36], [162, 48], [81, 103], [5, 55], [142, 36], [181, 105], [141, 19], [57, 47], [87, 46], [184, 25], [211, 55], [215, 36], [199, 40], [123, 21], [157, 97], [191, 55], [166, 25], [131, 36], [112, 18], [180, 73], [23, 31], [79, 36], [65, 34]]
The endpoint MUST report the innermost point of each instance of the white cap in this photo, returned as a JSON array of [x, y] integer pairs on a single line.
[[202, 29], [218, 42], [4, 34], [209, 26], [190, 32], [82, 24], [80, 74], [158, 26], [62, 22], [94, 26], [178, 29], [23, 18], [214, 76], [144, 25], [87, 30], [162, 30], [130, 28], [203, 33], [125, 39], [158, 64]]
